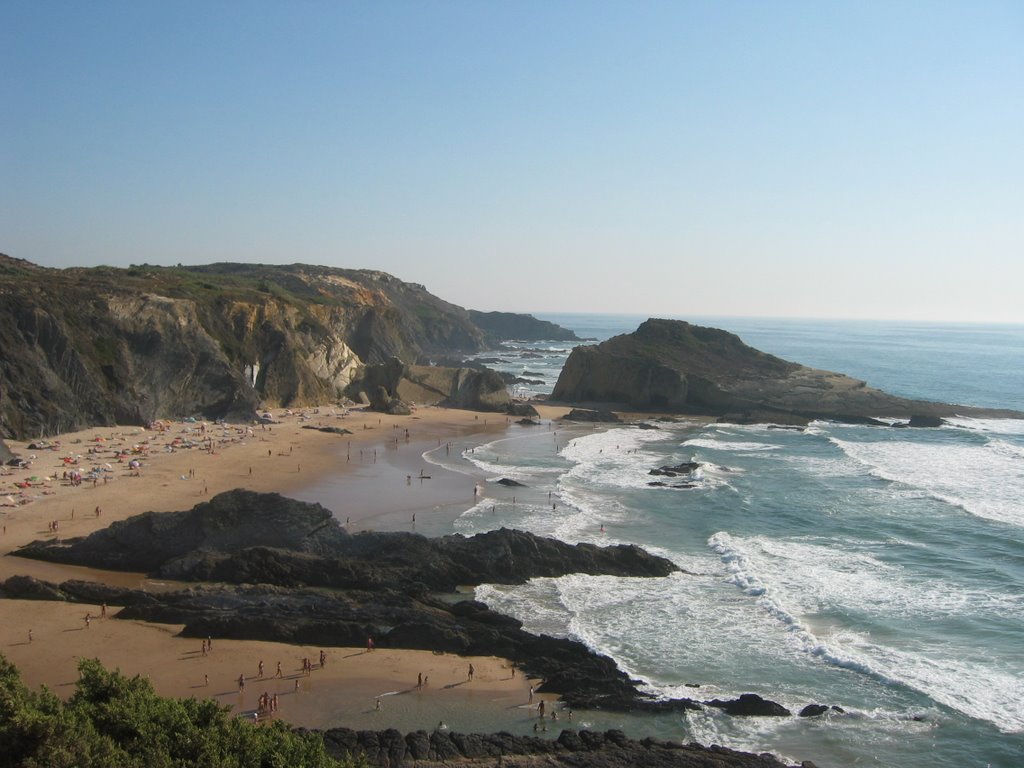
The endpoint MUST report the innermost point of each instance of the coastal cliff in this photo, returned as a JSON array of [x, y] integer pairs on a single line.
[[673, 366], [100, 346]]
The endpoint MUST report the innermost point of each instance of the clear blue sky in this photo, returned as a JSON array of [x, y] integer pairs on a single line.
[[815, 159]]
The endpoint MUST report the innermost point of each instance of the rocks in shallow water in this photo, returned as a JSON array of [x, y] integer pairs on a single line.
[[919, 420], [679, 469], [750, 705], [814, 710], [509, 483]]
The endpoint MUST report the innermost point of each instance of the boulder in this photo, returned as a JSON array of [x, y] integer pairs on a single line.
[[925, 420], [750, 705], [687, 467], [584, 414]]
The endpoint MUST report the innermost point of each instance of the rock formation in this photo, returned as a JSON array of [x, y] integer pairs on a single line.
[[508, 326], [610, 749], [673, 366], [479, 389], [101, 346]]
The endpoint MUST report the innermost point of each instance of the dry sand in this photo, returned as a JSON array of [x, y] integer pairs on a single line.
[[286, 458]]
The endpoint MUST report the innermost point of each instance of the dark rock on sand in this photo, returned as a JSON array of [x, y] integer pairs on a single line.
[[582, 414], [246, 537], [329, 430], [750, 705]]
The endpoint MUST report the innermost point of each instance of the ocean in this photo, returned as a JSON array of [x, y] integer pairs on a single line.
[[878, 570]]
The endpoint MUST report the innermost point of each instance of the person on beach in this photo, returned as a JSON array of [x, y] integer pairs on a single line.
[[278, 674], [470, 673], [241, 682], [369, 644], [419, 680], [259, 668], [530, 700], [323, 659]]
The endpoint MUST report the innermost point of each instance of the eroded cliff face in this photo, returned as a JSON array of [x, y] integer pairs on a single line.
[[82, 347], [671, 365]]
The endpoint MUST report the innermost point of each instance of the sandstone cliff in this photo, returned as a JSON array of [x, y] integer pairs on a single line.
[[673, 366], [82, 347]]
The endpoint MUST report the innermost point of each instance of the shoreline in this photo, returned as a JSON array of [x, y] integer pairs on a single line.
[[345, 691]]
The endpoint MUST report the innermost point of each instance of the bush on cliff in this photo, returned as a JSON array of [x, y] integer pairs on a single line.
[[112, 720]]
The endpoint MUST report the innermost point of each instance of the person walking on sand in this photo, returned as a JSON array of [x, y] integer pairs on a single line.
[[323, 658], [530, 700], [470, 673], [241, 682], [278, 674], [260, 669], [419, 680]]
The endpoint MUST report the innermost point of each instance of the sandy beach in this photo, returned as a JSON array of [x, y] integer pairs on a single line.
[[184, 463]]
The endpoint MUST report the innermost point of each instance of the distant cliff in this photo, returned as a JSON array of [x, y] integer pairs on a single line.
[[81, 347], [508, 326], [671, 365]]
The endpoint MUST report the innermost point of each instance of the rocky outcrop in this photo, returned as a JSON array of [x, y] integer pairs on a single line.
[[479, 389], [227, 524], [101, 346], [274, 555], [584, 414], [610, 749], [750, 705], [671, 365], [507, 326], [247, 537]]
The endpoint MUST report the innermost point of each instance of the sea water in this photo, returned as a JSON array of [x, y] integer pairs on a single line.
[[876, 569]]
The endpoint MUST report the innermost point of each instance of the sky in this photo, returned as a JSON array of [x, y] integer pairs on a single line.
[[731, 158]]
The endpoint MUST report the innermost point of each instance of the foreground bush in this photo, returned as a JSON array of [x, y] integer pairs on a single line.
[[112, 720]]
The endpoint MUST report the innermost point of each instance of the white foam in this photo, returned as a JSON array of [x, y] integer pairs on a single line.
[[985, 479], [730, 445], [790, 579], [996, 426]]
